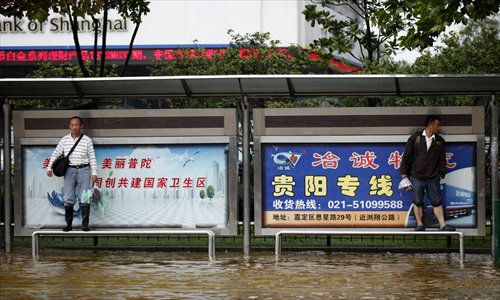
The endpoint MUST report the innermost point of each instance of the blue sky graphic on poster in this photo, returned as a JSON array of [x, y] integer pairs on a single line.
[[142, 185]]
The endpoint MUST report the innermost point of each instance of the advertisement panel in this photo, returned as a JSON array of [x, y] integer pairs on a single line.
[[159, 185], [355, 185]]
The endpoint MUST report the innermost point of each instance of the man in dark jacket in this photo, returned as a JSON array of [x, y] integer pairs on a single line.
[[424, 161]]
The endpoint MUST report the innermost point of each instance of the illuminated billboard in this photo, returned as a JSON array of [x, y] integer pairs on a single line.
[[140, 186], [167, 186], [139, 56], [157, 168], [346, 185]]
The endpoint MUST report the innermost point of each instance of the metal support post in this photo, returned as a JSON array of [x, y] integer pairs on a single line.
[[246, 176], [7, 176], [2, 101], [495, 232]]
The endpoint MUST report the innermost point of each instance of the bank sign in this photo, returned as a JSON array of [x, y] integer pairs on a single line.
[[356, 186]]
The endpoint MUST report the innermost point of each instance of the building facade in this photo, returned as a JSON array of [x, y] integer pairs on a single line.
[[168, 26]]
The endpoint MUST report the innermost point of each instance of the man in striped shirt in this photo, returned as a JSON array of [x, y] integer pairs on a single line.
[[82, 170]]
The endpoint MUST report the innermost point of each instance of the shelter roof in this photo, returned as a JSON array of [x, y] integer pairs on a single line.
[[251, 85]]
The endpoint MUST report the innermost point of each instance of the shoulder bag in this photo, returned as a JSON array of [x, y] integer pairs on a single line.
[[61, 163]]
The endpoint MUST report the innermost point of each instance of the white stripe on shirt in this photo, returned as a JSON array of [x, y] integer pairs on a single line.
[[83, 153]]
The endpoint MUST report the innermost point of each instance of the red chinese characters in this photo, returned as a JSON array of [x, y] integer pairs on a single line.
[[327, 161], [364, 161]]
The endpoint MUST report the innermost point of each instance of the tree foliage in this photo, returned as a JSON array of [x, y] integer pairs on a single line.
[[377, 28], [75, 9], [210, 192], [369, 29], [473, 50], [251, 53], [426, 20]]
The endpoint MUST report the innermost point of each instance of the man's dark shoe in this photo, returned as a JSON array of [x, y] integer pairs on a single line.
[[447, 228], [85, 217], [68, 217], [420, 228]]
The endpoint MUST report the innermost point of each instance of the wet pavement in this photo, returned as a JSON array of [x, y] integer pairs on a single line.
[[103, 274]]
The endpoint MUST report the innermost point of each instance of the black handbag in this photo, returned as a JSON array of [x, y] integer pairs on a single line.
[[61, 163]]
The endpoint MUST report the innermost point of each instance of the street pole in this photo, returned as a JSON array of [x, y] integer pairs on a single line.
[[494, 181], [246, 176], [7, 175]]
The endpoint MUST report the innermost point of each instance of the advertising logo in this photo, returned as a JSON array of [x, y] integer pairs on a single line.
[[286, 158]]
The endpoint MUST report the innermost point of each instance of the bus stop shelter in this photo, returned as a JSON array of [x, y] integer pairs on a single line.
[[245, 87]]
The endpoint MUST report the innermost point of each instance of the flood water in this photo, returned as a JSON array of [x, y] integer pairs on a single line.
[[92, 274]]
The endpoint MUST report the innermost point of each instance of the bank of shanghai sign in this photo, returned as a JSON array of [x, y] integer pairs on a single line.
[[140, 186], [356, 185]]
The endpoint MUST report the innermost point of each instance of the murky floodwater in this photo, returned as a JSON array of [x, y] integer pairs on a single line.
[[87, 274]]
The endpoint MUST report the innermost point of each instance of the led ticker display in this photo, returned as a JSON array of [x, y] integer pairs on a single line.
[[138, 56], [356, 185]]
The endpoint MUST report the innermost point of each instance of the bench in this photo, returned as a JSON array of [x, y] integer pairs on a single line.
[[209, 233], [365, 232]]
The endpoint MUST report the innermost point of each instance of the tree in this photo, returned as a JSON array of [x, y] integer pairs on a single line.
[[379, 27], [426, 20], [473, 50], [251, 53], [202, 194], [75, 9], [210, 192], [370, 29]]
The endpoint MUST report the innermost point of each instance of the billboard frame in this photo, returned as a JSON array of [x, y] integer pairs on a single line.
[[232, 172], [479, 141]]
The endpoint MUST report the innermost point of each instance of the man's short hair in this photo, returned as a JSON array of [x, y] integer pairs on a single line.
[[76, 117], [430, 119]]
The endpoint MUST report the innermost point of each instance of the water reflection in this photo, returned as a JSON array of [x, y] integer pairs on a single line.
[[73, 274]]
